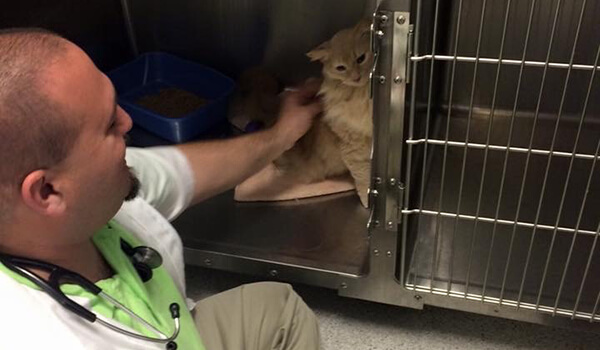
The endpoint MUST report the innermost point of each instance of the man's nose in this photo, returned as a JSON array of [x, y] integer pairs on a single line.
[[127, 122]]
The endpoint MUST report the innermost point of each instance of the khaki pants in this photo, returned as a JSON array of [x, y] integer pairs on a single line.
[[258, 316]]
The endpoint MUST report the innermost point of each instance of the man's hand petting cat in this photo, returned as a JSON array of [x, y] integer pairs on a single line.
[[298, 110]]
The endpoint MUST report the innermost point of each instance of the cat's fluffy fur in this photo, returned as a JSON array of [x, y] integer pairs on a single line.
[[342, 139]]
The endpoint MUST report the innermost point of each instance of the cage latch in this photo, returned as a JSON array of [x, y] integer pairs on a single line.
[[376, 35], [409, 65]]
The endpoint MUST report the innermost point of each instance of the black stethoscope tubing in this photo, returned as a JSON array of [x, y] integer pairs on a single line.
[[142, 257]]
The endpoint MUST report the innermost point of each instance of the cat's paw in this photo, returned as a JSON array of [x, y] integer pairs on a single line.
[[364, 198]]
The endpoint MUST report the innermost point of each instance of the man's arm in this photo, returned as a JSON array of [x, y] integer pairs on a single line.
[[222, 164]]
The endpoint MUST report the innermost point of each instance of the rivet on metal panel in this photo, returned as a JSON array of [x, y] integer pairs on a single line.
[[381, 79], [397, 79], [273, 273], [379, 34], [401, 19], [389, 253], [377, 180], [418, 297], [390, 224], [392, 182], [383, 19], [374, 193], [376, 252], [343, 285], [375, 223], [207, 262]]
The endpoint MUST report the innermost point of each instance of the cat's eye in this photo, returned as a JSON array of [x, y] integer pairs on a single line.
[[361, 59], [340, 68]]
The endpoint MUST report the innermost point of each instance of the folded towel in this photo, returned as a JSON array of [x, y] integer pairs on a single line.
[[270, 184]]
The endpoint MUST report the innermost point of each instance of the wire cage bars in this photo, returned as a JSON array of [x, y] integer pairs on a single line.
[[502, 200]]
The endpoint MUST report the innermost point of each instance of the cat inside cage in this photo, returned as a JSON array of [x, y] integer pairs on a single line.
[[340, 140]]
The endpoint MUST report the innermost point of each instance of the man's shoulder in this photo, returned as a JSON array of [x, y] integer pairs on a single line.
[[166, 178]]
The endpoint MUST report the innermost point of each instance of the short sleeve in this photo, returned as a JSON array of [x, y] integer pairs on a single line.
[[166, 178]]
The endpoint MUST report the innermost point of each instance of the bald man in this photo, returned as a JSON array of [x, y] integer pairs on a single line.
[[74, 199]]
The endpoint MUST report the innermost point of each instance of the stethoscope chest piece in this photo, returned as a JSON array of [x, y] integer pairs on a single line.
[[148, 256], [143, 258]]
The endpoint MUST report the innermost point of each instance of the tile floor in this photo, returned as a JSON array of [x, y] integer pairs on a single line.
[[359, 325]]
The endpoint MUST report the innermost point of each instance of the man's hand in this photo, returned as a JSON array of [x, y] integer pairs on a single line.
[[298, 111], [219, 165]]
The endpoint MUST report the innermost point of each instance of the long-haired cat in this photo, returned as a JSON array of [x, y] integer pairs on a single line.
[[341, 140]]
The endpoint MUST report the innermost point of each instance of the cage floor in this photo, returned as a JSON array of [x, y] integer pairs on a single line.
[[327, 233], [542, 266]]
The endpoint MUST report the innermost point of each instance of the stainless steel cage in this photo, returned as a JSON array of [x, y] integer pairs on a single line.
[[484, 193], [502, 191]]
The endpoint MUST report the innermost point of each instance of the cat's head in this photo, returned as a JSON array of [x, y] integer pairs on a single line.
[[347, 56]]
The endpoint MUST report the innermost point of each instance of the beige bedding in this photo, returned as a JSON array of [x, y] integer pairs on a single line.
[[270, 184]]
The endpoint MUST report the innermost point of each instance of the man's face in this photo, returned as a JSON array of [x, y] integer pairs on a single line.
[[95, 173]]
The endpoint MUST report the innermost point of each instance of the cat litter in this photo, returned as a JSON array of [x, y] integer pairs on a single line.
[[173, 98]]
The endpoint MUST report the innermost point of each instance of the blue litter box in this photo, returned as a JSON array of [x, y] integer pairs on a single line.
[[153, 72]]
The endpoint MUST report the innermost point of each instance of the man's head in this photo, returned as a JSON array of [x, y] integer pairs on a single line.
[[61, 135]]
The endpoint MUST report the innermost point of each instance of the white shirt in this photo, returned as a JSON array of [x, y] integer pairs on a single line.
[[30, 319]]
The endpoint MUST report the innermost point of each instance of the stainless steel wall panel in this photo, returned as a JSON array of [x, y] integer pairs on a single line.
[[232, 35], [97, 26]]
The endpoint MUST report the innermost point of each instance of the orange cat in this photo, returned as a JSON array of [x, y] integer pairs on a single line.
[[342, 139]]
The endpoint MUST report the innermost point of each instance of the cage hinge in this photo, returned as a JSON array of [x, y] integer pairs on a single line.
[[373, 195], [400, 190], [397, 188], [409, 53], [377, 34], [392, 212]]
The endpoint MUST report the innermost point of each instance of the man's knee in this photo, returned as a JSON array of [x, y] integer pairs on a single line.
[[274, 293], [291, 320]]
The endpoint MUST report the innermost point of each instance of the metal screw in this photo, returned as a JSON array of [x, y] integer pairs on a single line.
[[397, 79], [373, 223], [374, 193], [392, 182], [381, 79], [418, 297], [378, 180], [376, 252], [207, 262], [384, 19], [390, 224], [343, 285], [401, 20], [389, 253], [379, 34], [273, 273]]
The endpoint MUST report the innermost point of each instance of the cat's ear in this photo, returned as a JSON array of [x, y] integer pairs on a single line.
[[320, 52], [363, 27]]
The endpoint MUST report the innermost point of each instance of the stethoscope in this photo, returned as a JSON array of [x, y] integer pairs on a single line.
[[144, 259]]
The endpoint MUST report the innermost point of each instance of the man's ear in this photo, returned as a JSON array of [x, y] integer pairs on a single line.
[[40, 195], [319, 53]]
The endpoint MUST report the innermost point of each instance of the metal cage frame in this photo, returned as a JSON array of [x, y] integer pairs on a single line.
[[404, 210], [410, 186]]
